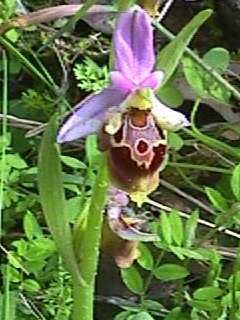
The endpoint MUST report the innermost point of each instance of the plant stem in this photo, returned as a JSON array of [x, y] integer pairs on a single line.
[[151, 276], [4, 131], [199, 167], [89, 249]]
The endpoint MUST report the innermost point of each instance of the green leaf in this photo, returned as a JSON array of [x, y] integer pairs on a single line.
[[176, 227], [152, 305], [165, 227], [170, 95], [190, 228], [207, 293], [216, 199], [143, 315], [12, 35], [204, 305], [235, 182], [35, 265], [171, 272], [30, 285], [15, 161], [53, 199], [175, 314], [14, 260], [175, 141], [132, 279], [145, 258], [92, 151], [35, 71], [184, 252], [203, 82], [171, 55], [177, 251], [14, 275], [31, 226], [218, 58], [73, 206], [124, 315], [73, 162]]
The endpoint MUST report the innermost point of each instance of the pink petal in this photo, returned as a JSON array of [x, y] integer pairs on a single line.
[[153, 81], [133, 43], [87, 116], [121, 82]]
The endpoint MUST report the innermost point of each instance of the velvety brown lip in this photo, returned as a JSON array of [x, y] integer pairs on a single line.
[[136, 151]]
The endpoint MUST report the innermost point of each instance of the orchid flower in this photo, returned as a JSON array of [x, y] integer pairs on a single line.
[[123, 230], [130, 121]]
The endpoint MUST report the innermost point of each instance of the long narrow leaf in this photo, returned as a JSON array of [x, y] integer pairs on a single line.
[[53, 199], [29, 66], [170, 56]]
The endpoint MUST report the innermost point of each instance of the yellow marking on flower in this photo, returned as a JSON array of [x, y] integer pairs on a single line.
[[114, 122], [139, 197], [141, 99], [144, 187]]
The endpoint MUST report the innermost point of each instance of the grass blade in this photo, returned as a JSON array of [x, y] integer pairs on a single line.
[[29, 66]]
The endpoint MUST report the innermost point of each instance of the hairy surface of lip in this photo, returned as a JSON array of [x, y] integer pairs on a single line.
[[136, 151]]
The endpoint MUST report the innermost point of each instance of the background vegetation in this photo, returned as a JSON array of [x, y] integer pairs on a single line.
[[193, 271]]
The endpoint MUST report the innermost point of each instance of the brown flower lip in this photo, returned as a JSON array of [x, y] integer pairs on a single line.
[[135, 152]]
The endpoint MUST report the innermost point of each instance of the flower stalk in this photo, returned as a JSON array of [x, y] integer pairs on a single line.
[[83, 294]]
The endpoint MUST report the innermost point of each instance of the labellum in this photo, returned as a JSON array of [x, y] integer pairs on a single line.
[[136, 151]]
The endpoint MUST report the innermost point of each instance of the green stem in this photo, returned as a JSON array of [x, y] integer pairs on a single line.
[[89, 249], [212, 142], [14, 51], [4, 131], [234, 308], [151, 276], [199, 167]]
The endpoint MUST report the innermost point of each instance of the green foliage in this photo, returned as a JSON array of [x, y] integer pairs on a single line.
[[170, 95], [52, 197], [132, 279], [145, 258], [90, 76], [204, 83], [216, 199], [192, 270], [235, 182], [170, 272], [218, 58], [176, 48]]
